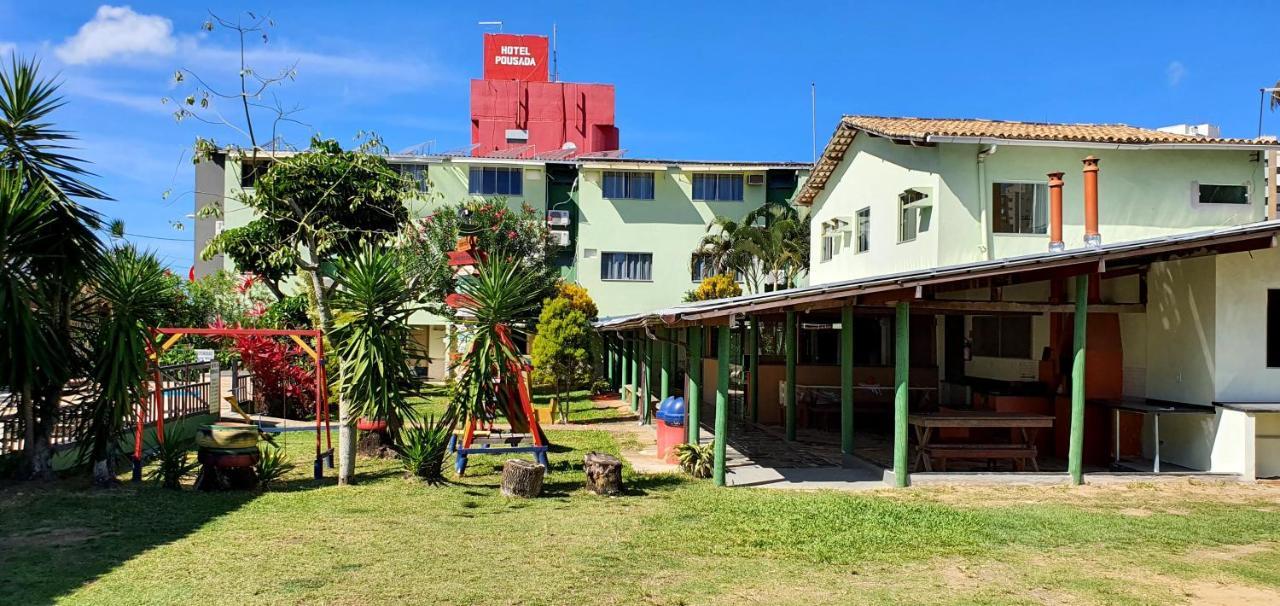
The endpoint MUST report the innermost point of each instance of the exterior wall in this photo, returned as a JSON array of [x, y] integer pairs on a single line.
[[429, 338], [1142, 194], [1267, 438], [1181, 331], [669, 226], [210, 189], [1242, 281], [873, 174], [552, 113]]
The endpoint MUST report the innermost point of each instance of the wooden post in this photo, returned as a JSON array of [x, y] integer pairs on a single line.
[[666, 358], [846, 382], [790, 347], [693, 395], [754, 386], [722, 401], [1075, 453], [901, 375]]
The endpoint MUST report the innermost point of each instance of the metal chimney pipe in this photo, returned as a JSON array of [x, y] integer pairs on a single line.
[[1091, 236], [1055, 213]]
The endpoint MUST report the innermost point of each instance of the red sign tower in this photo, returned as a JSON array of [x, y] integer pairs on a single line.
[[517, 111]]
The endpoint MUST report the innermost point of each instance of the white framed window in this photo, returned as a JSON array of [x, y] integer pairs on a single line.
[[915, 212], [862, 230], [717, 187], [828, 245], [627, 185], [495, 180], [626, 266], [1020, 208], [701, 267], [416, 174], [1210, 194]]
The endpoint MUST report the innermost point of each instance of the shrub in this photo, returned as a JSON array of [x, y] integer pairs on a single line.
[[719, 286], [562, 349], [578, 299], [696, 459], [272, 465], [423, 448], [172, 459]]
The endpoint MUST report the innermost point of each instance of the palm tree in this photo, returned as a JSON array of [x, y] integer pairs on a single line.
[[132, 294], [1275, 96], [372, 304], [31, 145], [767, 250], [723, 246]]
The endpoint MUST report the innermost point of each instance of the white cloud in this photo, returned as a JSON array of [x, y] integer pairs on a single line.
[[1175, 73], [118, 32]]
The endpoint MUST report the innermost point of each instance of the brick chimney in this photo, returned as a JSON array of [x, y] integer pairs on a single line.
[[1055, 213], [1091, 236]]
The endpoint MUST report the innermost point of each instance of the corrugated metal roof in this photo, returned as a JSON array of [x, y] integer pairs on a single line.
[[779, 300]]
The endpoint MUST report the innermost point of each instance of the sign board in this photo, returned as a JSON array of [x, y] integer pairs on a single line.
[[516, 57], [204, 355]]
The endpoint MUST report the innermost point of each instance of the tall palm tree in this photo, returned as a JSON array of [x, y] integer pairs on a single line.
[[1275, 96], [132, 294], [29, 142], [768, 249]]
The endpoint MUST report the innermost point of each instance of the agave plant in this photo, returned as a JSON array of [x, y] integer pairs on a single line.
[[423, 448], [133, 293], [272, 465], [696, 459], [500, 298], [372, 304], [173, 462]]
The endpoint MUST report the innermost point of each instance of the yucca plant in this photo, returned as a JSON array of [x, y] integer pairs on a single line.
[[272, 465], [132, 294], [423, 448], [372, 304], [173, 458], [696, 459]]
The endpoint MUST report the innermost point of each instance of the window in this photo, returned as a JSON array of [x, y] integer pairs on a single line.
[[862, 223], [633, 186], [1222, 194], [496, 180], [717, 186], [914, 214], [1273, 328], [828, 245], [635, 267], [1002, 337], [416, 174], [1021, 208], [701, 267], [250, 172]]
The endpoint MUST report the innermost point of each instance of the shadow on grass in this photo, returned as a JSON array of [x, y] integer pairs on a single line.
[[57, 538]]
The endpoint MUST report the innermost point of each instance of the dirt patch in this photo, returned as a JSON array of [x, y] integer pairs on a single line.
[[1114, 497], [50, 537], [1208, 593], [1231, 552]]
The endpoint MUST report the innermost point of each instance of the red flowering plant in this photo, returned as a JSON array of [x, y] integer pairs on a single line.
[[283, 375], [499, 230]]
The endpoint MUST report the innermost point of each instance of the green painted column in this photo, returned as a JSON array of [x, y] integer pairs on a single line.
[[646, 403], [693, 394], [609, 361], [722, 401], [790, 347], [642, 391], [901, 376], [666, 358], [633, 356], [754, 386], [1075, 454], [846, 381], [623, 362]]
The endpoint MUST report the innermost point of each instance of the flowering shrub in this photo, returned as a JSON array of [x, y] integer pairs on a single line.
[[719, 286], [283, 378]]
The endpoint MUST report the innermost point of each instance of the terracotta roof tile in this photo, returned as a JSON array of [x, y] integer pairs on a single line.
[[921, 130]]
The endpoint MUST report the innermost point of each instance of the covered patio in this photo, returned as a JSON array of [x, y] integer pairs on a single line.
[[1012, 366]]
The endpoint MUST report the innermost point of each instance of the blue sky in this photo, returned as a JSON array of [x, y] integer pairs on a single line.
[[694, 80]]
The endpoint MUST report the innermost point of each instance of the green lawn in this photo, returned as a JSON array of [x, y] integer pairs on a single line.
[[669, 541]]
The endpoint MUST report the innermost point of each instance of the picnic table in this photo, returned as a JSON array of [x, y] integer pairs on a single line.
[[1021, 452], [1152, 408]]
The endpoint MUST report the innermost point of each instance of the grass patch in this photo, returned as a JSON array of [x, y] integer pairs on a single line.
[[435, 398], [668, 541]]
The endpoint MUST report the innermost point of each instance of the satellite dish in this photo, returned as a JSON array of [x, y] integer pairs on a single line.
[[569, 145]]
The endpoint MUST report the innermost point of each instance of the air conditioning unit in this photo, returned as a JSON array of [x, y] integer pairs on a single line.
[[755, 179], [560, 237], [557, 217]]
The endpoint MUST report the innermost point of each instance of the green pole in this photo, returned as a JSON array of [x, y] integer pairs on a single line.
[[633, 363], [623, 363], [693, 395], [666, 356], [846, 381], [608, 360], [754, 387], [643, 391], [1075, 456], [650, 352], [902, 366], [722, 401], [790, 346]]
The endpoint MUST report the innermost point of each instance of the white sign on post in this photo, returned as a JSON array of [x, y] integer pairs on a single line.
[[204, 355]]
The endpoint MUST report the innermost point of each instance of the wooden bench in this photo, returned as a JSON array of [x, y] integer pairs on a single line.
[[1020, 454]]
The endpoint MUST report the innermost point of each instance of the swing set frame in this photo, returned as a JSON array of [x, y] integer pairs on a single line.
[[167, 337]]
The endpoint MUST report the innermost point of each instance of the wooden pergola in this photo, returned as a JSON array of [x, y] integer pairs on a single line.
[[637, 346]]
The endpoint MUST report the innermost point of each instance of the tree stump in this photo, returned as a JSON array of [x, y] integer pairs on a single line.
[[375, 445], [521, 478], [604, 473]]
